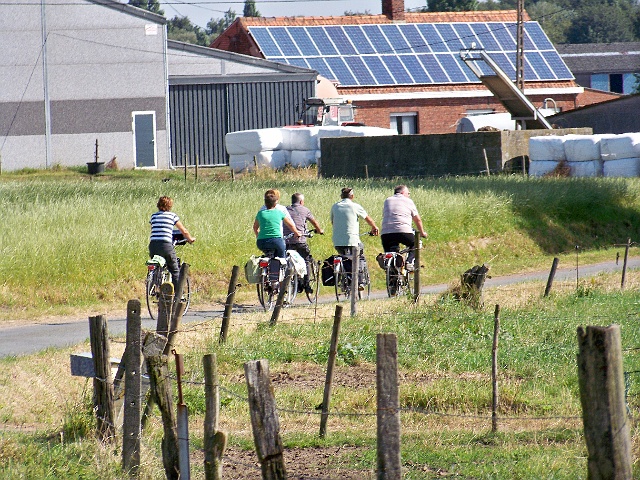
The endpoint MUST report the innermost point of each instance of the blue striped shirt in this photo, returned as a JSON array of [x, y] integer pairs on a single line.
[[162, 226]]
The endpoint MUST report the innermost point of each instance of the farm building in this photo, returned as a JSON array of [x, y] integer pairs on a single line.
[[404, 69], [97, 78], [609, 67]]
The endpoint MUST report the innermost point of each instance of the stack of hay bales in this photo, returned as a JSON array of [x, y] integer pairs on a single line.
[[586, 155], [298, 146]]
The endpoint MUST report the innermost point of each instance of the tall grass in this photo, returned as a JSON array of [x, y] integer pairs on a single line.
[[444, 358], [69, 243]]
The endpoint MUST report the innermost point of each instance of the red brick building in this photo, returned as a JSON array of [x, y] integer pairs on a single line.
[[414, 107]]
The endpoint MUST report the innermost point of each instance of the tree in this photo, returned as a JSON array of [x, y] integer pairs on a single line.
[[250, 9], [216, 26], [451, 5], [554, 20], [181, 29], [602, 23], [150, 5]]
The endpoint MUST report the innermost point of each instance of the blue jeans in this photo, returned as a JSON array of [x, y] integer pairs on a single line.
[[275, 244]]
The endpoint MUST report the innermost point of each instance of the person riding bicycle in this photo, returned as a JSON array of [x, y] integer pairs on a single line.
[[300, 216], [161, 240], [397, 214], [345, 216], [267, 228]]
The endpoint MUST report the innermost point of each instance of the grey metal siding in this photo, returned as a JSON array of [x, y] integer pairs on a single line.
[[201, 115]]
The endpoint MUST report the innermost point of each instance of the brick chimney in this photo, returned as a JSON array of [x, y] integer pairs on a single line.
[[393, 9]]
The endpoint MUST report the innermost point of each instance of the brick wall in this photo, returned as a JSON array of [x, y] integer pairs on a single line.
[[438, 115]]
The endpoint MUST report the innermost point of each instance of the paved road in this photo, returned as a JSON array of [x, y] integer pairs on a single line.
[[33, 338]]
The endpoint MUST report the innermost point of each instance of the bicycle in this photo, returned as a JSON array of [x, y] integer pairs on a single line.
[[268, 289], [157, 274], [399, 277], [343, 277], [313, 270]]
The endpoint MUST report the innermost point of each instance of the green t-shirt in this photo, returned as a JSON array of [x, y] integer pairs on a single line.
[[270, 223]]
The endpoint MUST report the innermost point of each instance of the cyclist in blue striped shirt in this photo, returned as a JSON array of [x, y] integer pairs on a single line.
[[161, 241]]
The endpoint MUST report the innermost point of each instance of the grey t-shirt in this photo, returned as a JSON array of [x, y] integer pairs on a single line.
[[397, 214]]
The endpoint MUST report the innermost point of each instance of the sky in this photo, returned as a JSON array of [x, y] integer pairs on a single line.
[[201, 11]]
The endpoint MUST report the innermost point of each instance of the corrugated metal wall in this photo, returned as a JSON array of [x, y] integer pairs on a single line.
[[201, 115]]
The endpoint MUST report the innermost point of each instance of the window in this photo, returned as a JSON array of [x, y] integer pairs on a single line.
[[404, 123], [614, 82]]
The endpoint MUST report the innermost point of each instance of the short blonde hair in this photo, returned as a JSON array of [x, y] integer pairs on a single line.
[[165, 204]]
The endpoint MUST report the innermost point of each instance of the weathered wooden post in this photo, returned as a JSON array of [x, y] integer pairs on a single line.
[[417, 245], [163, 397], [165, 305], [388, 431], [355, 279], [333, 352], [182, 281], [604, 416], [132, 392], [215, 441], [102, 382], [182, 423], [494, 370], [552, 275], [228, 304], [284, 285], [264, 420], [624, 264]]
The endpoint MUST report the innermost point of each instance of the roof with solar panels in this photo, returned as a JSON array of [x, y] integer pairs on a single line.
[[375, 52]]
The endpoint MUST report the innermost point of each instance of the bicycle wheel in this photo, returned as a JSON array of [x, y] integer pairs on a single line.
[[260, 290], [312, 267], [392, 280], [411, 290], [342, 284], [292, 289], [186, 295], [152, 292], [367, 283]]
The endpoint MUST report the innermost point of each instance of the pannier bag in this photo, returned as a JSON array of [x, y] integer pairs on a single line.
[[328, 279], [252, 270]]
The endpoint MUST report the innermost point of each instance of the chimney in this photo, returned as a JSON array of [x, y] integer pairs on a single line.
[[393, 9]]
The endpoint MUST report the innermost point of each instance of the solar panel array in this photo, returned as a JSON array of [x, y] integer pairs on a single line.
[[409, 53]]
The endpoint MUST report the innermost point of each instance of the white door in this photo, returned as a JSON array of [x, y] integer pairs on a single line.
[[144, 139]]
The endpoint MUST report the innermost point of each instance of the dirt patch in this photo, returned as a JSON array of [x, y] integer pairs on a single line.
[[316, 463]]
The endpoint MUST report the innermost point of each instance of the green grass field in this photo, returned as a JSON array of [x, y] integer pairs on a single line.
[[74, 244]]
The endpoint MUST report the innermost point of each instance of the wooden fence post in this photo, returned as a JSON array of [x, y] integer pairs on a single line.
[[160, 389], [281, 294], [165, 304], [182, 423], [264, 420], [604, 416], [182, 281], [388, 432], [132, 391], [624, 265], [494, 370], [416, 268], [552, 275], [228, 304], [355, 279], [102, 382], [333, 351], [215, 441]]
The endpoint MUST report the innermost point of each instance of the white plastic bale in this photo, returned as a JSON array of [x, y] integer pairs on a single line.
[[300, 138], [592, 168], [270, 158], [582, 148], [303, 158], [622, 167], [249, 141], [547, 148], [622, 146], [540, 168]]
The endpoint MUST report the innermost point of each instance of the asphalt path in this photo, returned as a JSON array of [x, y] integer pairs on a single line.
[[32, 338]]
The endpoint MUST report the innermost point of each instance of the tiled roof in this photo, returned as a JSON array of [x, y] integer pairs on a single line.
[[431, 17], [621, 57]]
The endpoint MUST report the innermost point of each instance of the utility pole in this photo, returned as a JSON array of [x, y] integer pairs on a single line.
[[520, 46]]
